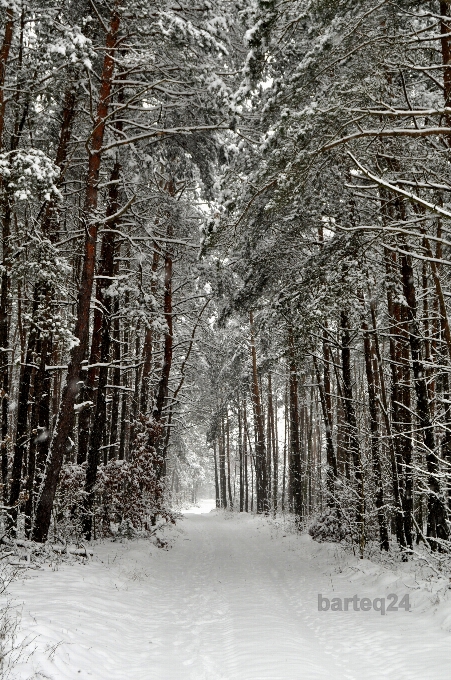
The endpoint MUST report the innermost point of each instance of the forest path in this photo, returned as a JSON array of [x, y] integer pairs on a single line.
[[234, 598]]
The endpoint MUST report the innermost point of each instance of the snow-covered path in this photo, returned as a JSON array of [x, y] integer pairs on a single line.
[[233, 599]]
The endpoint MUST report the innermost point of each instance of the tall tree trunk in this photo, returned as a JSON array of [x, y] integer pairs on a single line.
[[295, 444], [125, 402], [398, 429], [375, 439], [352, 427], [269, 445], [148, 341], [116, 383], [240, 454], [217, 491], [66, 411], [40, 431], [22, 433], [445, 30], [4, 338], [437, 526], [4, 326], [4, 56], [245, 458], [163, 385], [44, 341], [106, 271], [285, 443], [272, 424], [260, 452], [222, 466], [229, 487], [332, 468]]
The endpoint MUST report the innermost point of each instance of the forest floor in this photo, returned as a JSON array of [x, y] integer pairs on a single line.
[[234, 597]]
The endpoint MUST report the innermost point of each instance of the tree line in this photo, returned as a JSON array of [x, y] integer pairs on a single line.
[[334, 217], [227, 221], [109, 121]]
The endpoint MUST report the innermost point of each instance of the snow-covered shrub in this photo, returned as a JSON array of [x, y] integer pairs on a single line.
[[125, 530], [9, 653], [10, 649], [29, 174], [328, 527], [68, 506], [127, 492], [132, 489]]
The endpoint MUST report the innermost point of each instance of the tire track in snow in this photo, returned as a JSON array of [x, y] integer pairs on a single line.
[[229, 601], [366, 645], [269, 642]]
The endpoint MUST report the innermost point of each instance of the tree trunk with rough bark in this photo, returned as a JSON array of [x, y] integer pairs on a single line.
[[65, 418], [260, 449], [351, 422]]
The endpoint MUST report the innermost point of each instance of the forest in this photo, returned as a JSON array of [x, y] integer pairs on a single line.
[[225, 259]]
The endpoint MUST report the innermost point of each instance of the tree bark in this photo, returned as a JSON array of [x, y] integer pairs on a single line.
[[4, 56], [240, 455], [222, 466], [272, 416], [229, 481], [148, 341], [295, 444], [217, 492], [375, 439], [66, 411], [22, 433], [352, 427], [104, 303], [116, 383], [163, 385], [445, 30], [245, 458], [260, 452], [332, 468], [437, 513]]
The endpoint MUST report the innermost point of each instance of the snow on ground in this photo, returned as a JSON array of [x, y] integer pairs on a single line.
[[233, 598], [204, 505]]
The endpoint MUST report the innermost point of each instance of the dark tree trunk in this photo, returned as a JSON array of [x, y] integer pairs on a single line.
[[40, 435], [229, 481], [399, 439], [352, 427], [240, 455], [148, 340], [445, 30], [269, 443], [22, 433], [66, 411], [295, 444], [163, 386], [4, 340], [106, 271], [116, 383], [245, 458], [375, 439], [260, 449], [272, 423], [285, 443], [4, 326], [222, 466], [4, 56], [332, 469], [217, 491], [437, 513]]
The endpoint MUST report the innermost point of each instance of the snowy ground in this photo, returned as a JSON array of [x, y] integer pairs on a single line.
[[234, 598]]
